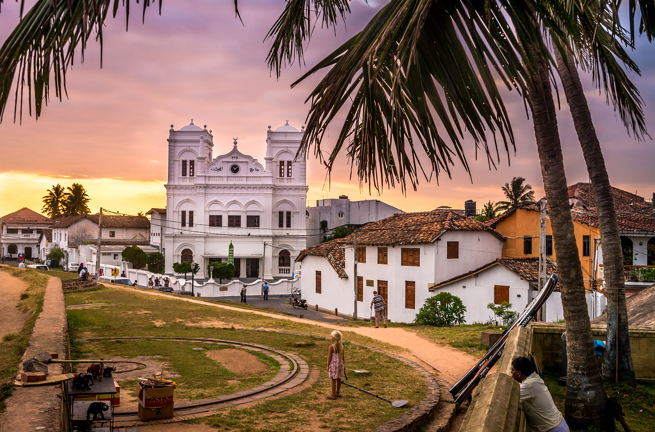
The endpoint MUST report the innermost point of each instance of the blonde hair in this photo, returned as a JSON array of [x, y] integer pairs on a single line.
[[337, 337]]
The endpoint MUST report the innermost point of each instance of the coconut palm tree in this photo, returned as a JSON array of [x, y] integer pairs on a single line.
[[53, 202], [76, 200], [517, 194], [489, 211]]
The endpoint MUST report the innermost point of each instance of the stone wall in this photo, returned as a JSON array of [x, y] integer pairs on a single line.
[[547, 346]]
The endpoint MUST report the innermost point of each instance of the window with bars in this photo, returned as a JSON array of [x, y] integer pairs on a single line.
[[586, 245], [382, 255], [361, 254], [234, 221], [452, 250], [190, 218], [289, 169], [252, 221], [192, 168], [318, 282], [288, 219], [360, 288], [549, 245], [215, 220], [280, 219], [281, 168], [410, 295], [527, 245], [410, 257], [183, 218], [183, 168], [284, 258]]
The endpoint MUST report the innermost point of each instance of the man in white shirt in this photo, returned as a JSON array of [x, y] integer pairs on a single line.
[[541, 414], [21, 265]]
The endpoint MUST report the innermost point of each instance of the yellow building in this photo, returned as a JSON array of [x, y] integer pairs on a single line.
[[520, 227]]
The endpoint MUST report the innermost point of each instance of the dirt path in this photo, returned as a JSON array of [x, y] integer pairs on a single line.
[[11, 318], [451, 363]]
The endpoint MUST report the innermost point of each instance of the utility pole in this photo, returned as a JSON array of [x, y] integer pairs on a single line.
[[355, 256], [99, 243], [542, 244]]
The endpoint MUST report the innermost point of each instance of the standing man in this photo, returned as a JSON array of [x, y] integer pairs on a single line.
[[541, 414], [379, 304], [243, 293], [265, 288]]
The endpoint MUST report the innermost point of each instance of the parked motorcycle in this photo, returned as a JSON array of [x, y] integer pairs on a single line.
[[298, 303]]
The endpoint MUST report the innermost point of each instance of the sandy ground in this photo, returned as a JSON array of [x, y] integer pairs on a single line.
[[238, 361], [11, 318]]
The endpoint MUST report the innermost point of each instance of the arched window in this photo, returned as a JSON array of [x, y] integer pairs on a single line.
[[341, 215], [284, 258], [12, 249], [187, 255]]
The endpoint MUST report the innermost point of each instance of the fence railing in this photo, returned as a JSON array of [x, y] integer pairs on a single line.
[[639, 273]]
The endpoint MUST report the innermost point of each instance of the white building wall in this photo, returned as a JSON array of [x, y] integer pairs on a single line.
[[476, 248]]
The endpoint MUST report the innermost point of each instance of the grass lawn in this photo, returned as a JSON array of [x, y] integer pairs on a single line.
[[638, 404], [130, 313], [13, 345]]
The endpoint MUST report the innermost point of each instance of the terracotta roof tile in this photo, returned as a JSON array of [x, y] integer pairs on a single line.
[[632, 222], [526, 268], [333, 251], [157, 210], [416, 228], [623, 201], [107, 221], [26, 215], [640, 309]]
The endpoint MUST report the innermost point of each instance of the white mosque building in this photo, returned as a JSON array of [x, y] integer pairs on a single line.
[[232, 199]]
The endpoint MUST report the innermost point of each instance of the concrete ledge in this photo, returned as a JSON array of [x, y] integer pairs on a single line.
[[495, 406], [42, 408]]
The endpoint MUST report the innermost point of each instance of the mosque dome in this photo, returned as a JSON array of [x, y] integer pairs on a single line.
[[191, 127], [286, 128]]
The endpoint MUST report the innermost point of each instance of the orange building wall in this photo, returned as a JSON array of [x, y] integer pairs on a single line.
[[524, 223]]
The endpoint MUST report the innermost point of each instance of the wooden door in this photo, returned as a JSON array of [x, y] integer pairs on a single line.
[[410, 295], [383, 291], [501, 294]]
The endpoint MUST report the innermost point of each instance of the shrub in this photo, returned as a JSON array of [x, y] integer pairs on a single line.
[[503, 313], [442, 310], [156, 263], [222, 271], [136, 256], [56, 254], [182, 267]]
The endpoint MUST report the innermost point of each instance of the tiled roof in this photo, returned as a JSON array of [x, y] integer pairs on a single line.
[[416, 228], [161, 211], [331, 250], [633, 222], [107, 221], [623, 201], [640, 309], [526, 268], [115, 242], [47, 233], [26, 215]]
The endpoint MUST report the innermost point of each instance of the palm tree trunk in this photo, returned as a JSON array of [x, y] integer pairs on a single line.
[[609, 228], [585, 396]]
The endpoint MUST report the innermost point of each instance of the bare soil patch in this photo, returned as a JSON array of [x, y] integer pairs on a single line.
[[12, 318], [238, 361]]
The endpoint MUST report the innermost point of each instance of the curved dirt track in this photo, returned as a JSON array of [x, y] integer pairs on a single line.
[[452, 363]]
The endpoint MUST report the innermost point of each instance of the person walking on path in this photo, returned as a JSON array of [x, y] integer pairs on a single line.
[[379, 304], [336, 363], [243, 293], [541, 414], [265, 288]]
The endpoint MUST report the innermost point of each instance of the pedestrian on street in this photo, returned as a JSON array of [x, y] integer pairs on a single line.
[[265, 288], [243, 293], [336, 364], [379, 304]]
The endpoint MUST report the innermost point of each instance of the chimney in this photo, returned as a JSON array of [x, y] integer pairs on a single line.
[[469, 208]]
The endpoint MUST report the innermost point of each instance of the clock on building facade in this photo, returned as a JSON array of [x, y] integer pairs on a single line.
[[234, 169]]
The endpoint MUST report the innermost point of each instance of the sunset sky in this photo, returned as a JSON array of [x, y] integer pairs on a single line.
[[198, 61]]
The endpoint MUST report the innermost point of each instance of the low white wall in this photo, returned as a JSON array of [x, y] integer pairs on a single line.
[[555, 311]]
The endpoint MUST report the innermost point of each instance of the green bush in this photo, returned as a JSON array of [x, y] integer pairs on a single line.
[[56, 254], [503, 313], [221, 270], [136, 256], [156, 263], [442, 310]]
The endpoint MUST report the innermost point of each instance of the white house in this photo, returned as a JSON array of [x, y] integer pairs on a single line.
[[45, 243], [73, 234], [20, 232], [157, 224], [512, 280], [232, 199], [331, 213], [400, 257]]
